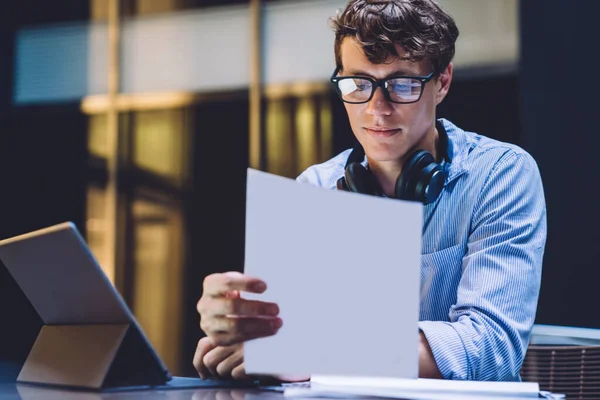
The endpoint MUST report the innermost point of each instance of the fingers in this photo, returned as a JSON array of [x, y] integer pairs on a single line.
[[229, 331], [204, 347], [226, 366], [217, 285], [221, 361], [225, 306], [239, 372], [228, 319], [216, 356]]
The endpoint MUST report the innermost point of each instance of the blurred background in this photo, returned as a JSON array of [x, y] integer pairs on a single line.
[[137, 119]]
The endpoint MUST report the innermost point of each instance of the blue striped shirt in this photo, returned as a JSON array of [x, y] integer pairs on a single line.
[[482, 248]]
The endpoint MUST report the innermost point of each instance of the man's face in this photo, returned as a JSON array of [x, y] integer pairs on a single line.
[[389, 131]]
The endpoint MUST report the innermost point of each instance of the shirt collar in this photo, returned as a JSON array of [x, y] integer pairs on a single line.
[[458, 147]]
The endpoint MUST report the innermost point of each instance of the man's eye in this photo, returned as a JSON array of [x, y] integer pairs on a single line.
[[361, 87], [401, 87]]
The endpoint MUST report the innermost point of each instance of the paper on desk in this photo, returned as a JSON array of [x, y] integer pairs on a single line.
[[338, 386], [345, 271]]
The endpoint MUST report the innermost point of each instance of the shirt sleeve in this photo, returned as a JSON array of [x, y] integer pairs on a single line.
[[307, 176], [489, 327], [317, 175]]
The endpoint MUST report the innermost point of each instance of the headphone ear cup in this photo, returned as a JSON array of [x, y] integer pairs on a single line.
[[411, 183], [430, 184], [359, 180], [341, 184]]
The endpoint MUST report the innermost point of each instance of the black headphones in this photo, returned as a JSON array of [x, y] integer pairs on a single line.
[[421, 179]]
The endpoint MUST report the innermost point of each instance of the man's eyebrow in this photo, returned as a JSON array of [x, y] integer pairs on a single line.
[[398, 72]]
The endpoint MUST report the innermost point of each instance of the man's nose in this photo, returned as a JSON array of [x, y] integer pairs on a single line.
[[379, 104]]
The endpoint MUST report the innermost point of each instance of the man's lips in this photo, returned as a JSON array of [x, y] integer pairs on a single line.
[[381, 131]]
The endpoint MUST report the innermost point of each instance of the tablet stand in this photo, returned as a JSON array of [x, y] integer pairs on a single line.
[[90, 357]]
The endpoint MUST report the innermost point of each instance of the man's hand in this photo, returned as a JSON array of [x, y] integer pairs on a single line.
[[228, 319], [227, 362], [219, 361]]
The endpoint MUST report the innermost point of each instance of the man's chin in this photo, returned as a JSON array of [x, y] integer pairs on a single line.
[[382, 157]]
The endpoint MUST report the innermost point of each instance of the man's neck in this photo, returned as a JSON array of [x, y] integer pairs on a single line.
[[387, 172]]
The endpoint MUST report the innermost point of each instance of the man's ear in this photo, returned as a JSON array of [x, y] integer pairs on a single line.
[[443, 84]]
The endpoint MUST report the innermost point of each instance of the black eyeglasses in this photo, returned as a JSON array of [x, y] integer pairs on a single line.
[[360, 89]]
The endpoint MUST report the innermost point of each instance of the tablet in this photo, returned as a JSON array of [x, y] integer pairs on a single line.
[[64, 282]]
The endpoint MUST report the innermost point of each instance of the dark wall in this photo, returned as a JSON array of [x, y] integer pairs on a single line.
[[485, 101], [217, 207], [559, 105], [42, 158], [42, 149], [28, 12], [42, 170]]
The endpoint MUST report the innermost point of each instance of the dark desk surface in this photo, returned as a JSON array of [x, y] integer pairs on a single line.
[[26, 392]]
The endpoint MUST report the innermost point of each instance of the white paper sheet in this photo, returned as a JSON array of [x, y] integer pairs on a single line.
[[336, 386], [370, 393], [345, 271]]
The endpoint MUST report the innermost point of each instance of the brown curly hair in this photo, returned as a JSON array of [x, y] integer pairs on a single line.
[[421, 27]]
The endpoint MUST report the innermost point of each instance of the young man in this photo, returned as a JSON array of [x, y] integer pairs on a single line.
[[484, 220]]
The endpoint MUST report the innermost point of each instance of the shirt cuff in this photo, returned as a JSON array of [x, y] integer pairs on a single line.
[[450, 351]]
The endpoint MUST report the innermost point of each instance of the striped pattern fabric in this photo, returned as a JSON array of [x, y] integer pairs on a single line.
[[482, 249]]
